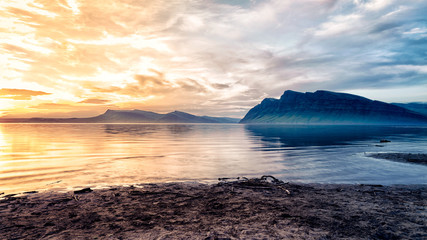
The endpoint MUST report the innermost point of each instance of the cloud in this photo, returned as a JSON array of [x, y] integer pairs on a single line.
[[95, 101], [220, 85], [148, 85], [20, 94], [144, 80], [53, 106]]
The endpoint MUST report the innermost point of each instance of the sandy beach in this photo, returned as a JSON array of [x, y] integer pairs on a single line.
[[232, 209]]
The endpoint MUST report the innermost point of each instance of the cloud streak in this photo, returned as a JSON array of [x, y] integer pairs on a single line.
[[20, 94]]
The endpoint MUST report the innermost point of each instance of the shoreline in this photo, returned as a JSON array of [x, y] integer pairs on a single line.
[[415, 158], [237, 209]]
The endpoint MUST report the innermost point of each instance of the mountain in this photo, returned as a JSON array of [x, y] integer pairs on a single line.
[[182, 117], [416, 107], [125, 116], [130, 116], [325, 107]]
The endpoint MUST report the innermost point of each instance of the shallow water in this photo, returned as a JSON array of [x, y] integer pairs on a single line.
[[60, 156]]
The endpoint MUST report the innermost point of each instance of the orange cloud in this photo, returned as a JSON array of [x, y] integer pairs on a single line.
[[144, 80], [50, 106], [95, 101], [20, 94]]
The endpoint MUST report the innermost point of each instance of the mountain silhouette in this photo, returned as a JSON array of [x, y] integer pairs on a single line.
[[325, 107]]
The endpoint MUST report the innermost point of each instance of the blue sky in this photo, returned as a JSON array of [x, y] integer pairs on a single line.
[[216, 57]]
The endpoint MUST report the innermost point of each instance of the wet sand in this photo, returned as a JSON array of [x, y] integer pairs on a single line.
[[243, 209]]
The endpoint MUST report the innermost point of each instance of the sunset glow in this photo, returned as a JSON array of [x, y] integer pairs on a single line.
[[75, 58]]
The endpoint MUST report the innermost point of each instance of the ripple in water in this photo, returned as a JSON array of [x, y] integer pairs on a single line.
[[60, 156]]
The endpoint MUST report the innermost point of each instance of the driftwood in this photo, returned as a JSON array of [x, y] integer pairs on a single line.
[[30, 192], [264, 182], [10, 195], [76, 198], [54, 182]]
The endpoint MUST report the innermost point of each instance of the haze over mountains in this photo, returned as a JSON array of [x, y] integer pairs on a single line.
[[325, 107], [416, 107], [133, 116]]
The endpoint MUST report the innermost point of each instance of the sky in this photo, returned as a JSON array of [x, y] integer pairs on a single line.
[[78, 58]]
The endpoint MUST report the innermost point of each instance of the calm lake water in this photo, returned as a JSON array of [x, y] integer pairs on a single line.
[[62, 156]]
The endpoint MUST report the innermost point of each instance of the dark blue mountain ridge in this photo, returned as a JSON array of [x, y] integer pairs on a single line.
[[418, 107], [326, 107]]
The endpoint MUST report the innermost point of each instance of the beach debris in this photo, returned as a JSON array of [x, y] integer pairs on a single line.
[[384, 141], [54, 182], [232, 179], [273, 179], [264, 182], [84, 190], [217, 236], [10, 195], [30, 192], [76, 198], [226, 179], [284, 189]]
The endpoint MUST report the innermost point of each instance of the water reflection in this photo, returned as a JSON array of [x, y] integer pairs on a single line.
[[336, 154], [147, 129], [35, 155], [46, 156], [303, 135]]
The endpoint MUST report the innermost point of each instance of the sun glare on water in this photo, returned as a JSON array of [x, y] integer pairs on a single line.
[[3, 144]]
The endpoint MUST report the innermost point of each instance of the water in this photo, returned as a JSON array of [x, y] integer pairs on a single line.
[[65, 156]]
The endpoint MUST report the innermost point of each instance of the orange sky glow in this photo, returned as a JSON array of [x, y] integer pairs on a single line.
[[77, 58]]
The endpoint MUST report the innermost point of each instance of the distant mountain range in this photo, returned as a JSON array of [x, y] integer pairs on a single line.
[[325, 107], [416, 107], [320, 107], [130, 116]]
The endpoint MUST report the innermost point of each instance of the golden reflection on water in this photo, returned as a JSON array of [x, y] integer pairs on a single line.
[[60, 156], [2, 148]]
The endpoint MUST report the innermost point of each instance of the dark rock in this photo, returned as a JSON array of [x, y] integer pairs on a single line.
[[30, 192], [84, 190], [384, 141], [10, 195], [419, 158], [49, 224], [217, 236]]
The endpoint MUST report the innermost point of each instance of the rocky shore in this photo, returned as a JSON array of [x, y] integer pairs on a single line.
[[262, 208], [419, 158]]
